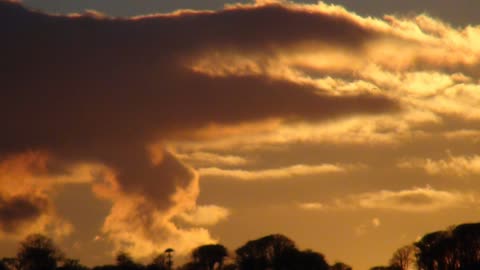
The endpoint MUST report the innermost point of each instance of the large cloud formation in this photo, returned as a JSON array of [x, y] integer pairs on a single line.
[[92, 99]]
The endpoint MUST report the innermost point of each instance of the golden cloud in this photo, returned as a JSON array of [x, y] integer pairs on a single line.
[[413, 200], [453, 165], [270, 174]]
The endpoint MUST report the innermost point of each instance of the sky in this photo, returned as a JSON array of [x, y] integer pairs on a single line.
[[349, 126]]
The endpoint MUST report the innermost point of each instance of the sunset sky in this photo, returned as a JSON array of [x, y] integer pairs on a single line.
[[352, 127]]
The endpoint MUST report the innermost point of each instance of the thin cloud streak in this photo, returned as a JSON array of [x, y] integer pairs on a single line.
[[415, 200], [453, 165], [272, 174], [196, 158]]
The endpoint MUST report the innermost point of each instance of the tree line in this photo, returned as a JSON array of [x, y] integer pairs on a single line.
[[457, 248]]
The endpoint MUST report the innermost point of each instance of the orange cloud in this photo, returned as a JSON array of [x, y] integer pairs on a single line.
[[269, 174], [453, 165], [408, 200], [205, 215]]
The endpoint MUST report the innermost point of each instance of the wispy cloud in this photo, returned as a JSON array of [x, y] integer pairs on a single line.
[[453, 165], [270, 174], [205, 158], [365, 227], [413, 200], [311, 206], [462, 134]]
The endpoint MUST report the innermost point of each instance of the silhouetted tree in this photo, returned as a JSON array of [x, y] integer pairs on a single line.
[[158, 263], [105, 267], [70, 264], [209, 256], [189, 266], [264, 252], [230, 266], [384, 268], [308, 260], [10, 263], [455, 249], [435, 251], [403, 258], [38, 252], [340, 266], [3, 266], [466, 245], [125, 262]]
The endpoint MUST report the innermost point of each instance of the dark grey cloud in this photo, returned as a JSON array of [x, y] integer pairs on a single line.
[[18, 211], [462, 12], [97, 89]]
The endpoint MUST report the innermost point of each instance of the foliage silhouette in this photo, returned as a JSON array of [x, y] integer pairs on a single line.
[[209, 256], [277, 252], [457, 248], [125, 262], [158, 263], [340, 266], [263, 253], [10, 263], [3, 266], [38, 252], [70, 264], [403, 258], [384, 268], [305, 260]]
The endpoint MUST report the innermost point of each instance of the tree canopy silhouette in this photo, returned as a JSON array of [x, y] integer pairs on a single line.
[[263, 253], [457, 248], [384, 268], [340, 266], [306, 260], [70, 264], [158, 263], [278, 252], [403, 258], [38, 252], [209, 256], [126, 262]]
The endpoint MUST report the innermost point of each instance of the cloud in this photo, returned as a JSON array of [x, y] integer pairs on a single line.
[[415, 200], [205, 215], [365, 227], [463, 134], [453, 165], [27, 184], [311, 206], [268, 174], [376, 222], [94, 93], [359, 130], [16, 211], [205, 158]]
